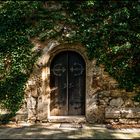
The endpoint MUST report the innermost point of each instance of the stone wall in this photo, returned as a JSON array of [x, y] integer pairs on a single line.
[[105, 102], [116, 104]]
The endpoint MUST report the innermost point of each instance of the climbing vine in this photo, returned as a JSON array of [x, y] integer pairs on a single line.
[[108, 29]]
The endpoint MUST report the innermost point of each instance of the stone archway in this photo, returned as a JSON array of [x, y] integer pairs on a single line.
[[38, 95], [104, 101], [54, 52], [46, 60]]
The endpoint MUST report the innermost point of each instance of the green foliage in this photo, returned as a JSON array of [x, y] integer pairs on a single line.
[[110, 32], [108, 29], [16, 58]]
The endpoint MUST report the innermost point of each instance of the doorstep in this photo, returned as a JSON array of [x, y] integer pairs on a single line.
[[69, 119]]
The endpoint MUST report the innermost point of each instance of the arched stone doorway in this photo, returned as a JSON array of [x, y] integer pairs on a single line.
[[85, 108], [67, 84], [103, 101]]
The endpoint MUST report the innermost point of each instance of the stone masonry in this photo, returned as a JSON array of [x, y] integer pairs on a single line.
[[105, 102]]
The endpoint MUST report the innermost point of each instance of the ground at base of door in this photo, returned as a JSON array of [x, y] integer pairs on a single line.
[[65, 131]]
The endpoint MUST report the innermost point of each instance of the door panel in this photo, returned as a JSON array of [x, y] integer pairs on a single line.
[[58, 86], [67, 84], [76, 74]]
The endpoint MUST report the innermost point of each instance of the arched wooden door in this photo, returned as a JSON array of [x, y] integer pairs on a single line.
[[67, 84]]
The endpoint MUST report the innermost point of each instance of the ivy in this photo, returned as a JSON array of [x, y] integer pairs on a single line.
[[108, 29], [16, 57]]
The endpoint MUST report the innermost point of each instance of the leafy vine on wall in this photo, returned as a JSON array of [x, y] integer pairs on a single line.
[[108, 29]]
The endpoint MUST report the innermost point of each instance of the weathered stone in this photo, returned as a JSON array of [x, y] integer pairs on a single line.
[[136, 103], [32, 114], [105, 85], [31, 102], [92, 108], [105, 74], [104, 102], [131, 94], [128, 103], [95, 91], [42, 111], [71, 119], [113, 86], [23, 109], [116, 93], [111, 121], [101, 114], [128, 121], [112, 113], [130, 113], [34, 93], [104, 94], [138, 121], [96, 82], [21, 117], [3, 111], [116, 102], [97, 70]]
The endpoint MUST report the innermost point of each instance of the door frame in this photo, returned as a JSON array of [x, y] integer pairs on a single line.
[[84, 77], [52, 54]]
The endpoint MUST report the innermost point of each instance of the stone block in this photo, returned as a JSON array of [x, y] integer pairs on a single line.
[[105, 74], [128, 121], [96, 82], [138, 121], [113, 86], [128, 103], [92, 111], [97, 70], [102, 102], [137, 103], [131, 94], [42, 108], [116, 93], [34, 93], [21, 117], [42, 111], [112, 121], [131, 113], [105, 85], [31, 102], [104, 94], [118, 102], [3, 111], [32, 114], [112, 113]]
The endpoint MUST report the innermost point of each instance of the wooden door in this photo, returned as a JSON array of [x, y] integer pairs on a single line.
[[67, 84]]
